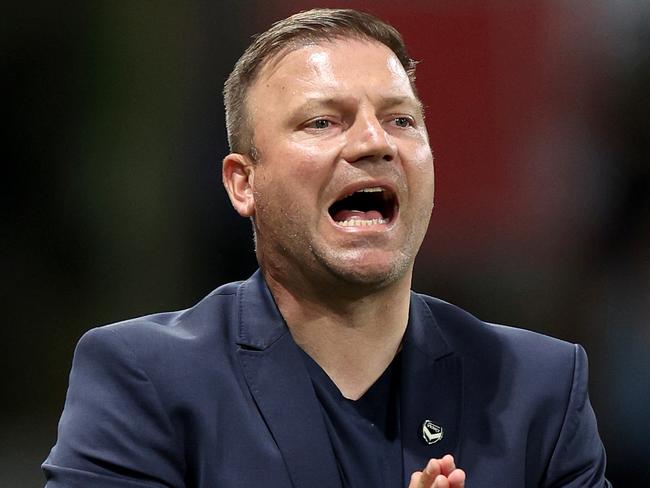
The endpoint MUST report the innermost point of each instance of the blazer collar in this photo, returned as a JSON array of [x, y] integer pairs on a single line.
[[423, 332], [431, 390], [281, 388], [260, 321]]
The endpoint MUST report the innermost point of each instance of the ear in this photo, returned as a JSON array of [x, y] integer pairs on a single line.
[[237, 175]]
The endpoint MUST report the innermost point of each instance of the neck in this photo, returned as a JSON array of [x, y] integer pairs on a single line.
[[352, 339]]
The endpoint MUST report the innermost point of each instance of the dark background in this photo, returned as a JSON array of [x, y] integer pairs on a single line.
[[113, 207]]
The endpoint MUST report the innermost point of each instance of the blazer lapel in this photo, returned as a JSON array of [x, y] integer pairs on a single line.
[[281, 387], [432, 390]]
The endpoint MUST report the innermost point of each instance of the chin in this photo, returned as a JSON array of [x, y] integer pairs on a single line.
[[373, 273]]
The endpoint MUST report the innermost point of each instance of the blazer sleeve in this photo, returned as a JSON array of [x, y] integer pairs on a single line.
[[113, 431], [578, 459]]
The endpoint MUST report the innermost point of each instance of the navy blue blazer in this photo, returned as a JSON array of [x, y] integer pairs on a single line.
[[219, 396]]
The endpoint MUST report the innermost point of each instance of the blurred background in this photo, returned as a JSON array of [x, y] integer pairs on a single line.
[[538, 114]]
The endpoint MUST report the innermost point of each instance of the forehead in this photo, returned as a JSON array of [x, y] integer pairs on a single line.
[[348, 65]]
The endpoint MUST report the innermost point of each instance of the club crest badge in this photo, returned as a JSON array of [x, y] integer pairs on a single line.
[[431, 433]]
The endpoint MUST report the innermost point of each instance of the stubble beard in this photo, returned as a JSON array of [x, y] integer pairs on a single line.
[[345, 267], [302, 261], [319, 268]]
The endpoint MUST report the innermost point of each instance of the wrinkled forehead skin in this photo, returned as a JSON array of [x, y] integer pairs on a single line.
[[322, 61], [318, 72]]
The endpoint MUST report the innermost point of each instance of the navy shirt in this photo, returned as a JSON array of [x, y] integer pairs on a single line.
[[364, 433]]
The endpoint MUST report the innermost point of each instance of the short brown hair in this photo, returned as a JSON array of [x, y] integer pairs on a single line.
[[291, 33]]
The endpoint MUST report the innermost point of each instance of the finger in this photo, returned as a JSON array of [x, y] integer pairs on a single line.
[[425, 478], [420, 480], [447, 464], [415, 480], [456, 478], [430, 472], [441, 481]]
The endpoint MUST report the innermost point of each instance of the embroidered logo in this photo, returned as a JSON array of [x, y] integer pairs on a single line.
[[431, 433]]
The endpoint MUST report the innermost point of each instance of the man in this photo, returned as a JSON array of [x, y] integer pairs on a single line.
[[324, 369]]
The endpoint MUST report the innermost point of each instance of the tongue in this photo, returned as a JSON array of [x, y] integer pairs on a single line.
[[345, 214]]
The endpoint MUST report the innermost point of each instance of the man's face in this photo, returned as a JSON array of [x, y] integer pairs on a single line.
[[344, 184]]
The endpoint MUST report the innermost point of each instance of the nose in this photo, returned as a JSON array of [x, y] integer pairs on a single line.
[[368, 140]]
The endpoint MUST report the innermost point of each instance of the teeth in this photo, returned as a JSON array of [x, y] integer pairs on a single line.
[[374, 189], [361, 223]]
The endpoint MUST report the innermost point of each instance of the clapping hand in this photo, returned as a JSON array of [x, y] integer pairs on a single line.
[[439, 473]]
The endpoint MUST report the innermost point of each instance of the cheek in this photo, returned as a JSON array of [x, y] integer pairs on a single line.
[[283, 193], [305, 170], [420, 175], [423, 156], [313, 159], [421, 167]]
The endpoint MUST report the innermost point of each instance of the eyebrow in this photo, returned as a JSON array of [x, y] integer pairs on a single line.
[[403, 100], [385, 102]]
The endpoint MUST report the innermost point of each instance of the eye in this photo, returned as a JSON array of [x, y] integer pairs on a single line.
[[403, 122], [319, 124]]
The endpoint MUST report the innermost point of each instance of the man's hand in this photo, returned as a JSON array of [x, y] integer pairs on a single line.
[[439, 473]]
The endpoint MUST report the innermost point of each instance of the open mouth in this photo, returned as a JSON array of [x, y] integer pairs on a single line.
[[367, 206]]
